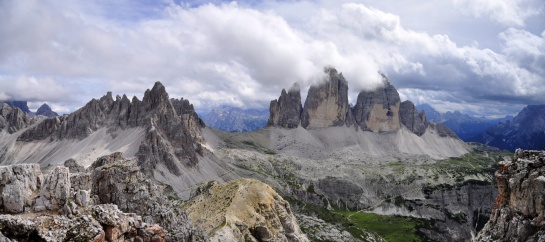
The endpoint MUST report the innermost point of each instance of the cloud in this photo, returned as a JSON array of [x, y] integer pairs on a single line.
[[506, 12], [243, 55]]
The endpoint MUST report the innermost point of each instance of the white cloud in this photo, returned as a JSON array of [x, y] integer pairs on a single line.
[[506, 12], [243, 55]]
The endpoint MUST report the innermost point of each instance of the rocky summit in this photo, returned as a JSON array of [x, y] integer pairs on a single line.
[[377, 110], [327, 103], [45, 110]]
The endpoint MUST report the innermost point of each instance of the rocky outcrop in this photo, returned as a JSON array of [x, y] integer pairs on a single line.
[[286, 111], [73, 213], [410, 118], [55, 190], [13, 119], [243, 210], [378, 110], [45, 110], [98, 223], [173, 132], [519, 210], [327, 103], [119, 181], [73, 166], [19, 187], [442, 130]]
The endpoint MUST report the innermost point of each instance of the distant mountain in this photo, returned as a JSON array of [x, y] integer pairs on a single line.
[[45, 110], [465, 126], [233, 119], [526, 131], [18, 104]]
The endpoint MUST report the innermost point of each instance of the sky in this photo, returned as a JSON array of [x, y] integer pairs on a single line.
[[481, 57]]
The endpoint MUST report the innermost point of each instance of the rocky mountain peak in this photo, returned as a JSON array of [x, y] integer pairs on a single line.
[[45, 110], [414, 121], [327, 102], [286, 110], [378, 110], [172, 139]]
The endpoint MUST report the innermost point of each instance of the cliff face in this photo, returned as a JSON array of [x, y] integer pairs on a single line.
[[519, 210], [286, 111], [327, 103], [378, 110], [414, 121]]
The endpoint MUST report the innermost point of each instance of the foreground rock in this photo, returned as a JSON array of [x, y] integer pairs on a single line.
[[83, 206], [243, 210], [519, 210]]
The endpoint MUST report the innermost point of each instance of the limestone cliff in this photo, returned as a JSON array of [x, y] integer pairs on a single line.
[[519, 210], [327, 103], [410, 118], [286, 111], [243, 210], [378, 110]]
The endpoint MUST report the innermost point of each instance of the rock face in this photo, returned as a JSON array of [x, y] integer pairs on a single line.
[[286, 111], [13, 119], [327, 103], [519, 210], [243, 210], [19, 187], [525, 131], [378, 110], [173, 131], [410, 118], [45, 110], [55, 190], [119, 181]]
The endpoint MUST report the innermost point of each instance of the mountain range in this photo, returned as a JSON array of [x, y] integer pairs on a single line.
[[155, 166], [43, 110], [526, 131], [465, 126], [233, 119]]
